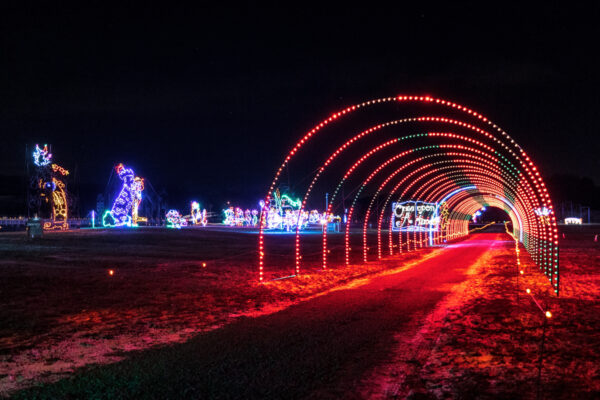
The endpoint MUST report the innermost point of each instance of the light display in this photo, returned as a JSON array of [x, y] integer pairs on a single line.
[[136, 188], [542, 211], [198, 217], [285, 214], [51, 188], [238, 217], [229, 214], [124, 211], [544, 214], [415, 216], [175, 220], [573, 221], [469, 163], [41, 157]]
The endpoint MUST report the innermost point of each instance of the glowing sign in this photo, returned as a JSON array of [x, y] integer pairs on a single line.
[[573, 221], [415, 216]]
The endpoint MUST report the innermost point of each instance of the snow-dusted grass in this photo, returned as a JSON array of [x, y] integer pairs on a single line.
[[484, 340], [61, 310]]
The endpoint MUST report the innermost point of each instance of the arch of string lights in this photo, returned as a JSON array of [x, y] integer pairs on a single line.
[[444, 154]]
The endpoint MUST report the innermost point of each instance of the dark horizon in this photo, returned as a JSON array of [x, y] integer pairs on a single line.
[[205, 102]]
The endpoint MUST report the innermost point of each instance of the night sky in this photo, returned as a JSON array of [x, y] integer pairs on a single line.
[[205, 101]]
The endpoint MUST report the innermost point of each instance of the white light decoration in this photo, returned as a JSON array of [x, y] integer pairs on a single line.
[[238, 217], [411, 216], [573, 221], [198, 217], [542, 211], [175, 220]]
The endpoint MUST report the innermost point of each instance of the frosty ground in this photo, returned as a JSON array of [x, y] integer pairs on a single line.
[[61, 311]]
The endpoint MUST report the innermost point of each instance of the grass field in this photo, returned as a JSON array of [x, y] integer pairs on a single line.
[[61, 314]]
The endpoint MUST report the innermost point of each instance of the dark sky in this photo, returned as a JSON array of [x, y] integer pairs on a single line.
[[205, 100]]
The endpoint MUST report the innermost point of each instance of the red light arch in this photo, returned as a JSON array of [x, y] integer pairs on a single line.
[[448, 153]]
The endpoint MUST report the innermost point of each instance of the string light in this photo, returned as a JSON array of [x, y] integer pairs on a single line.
[[486, 160]]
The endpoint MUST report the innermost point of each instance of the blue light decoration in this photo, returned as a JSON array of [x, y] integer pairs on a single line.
[[175, 220], [124, 211], [41, 157]]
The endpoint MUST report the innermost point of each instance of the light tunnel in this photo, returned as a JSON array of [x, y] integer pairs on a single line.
[[414, 153]]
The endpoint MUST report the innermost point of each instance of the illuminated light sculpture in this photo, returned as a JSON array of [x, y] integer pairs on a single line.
[[229, 216], [543, 213], [314, 217], [124, 211], [453, 157], [137, 188], [239, 217], [50, 184], [254, 220], [285, 214], [41, 157], [573, 221], [198, 216], [175, 220]]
